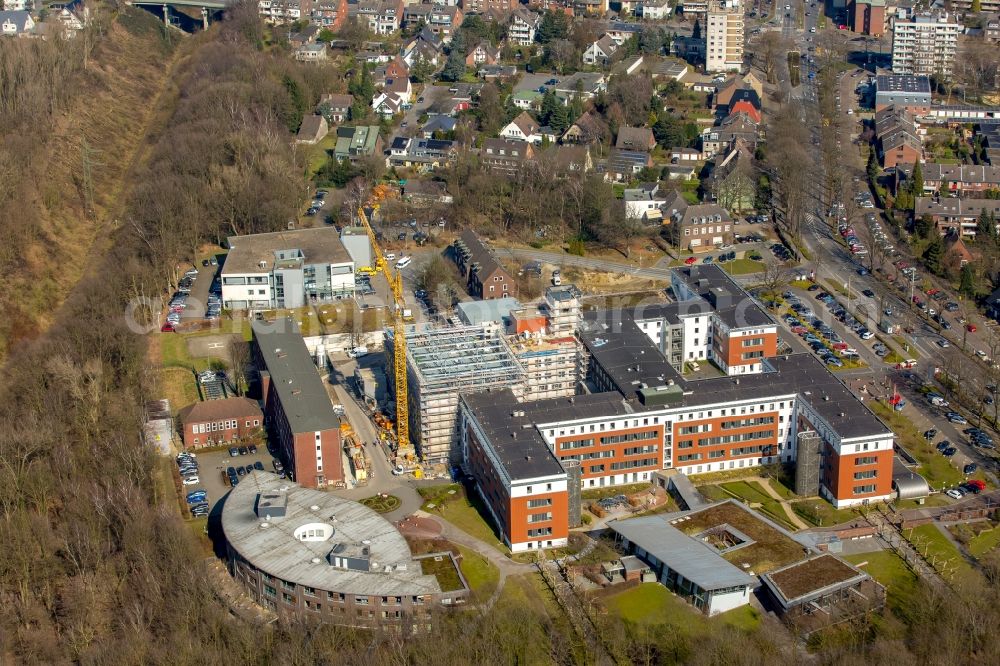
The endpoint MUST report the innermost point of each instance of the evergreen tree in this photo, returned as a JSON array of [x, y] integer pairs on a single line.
[[548, 107], [873, 168], [977, 6], [559, 120], [986, 226], [454, 67], [923, 226], [668, 131], [967, 284], [932, 255], [575, 107], [696, 31], [296, 107], [553, 26], [917, 180]]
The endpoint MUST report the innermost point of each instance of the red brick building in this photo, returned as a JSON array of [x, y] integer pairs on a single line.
[[486, 277], [217, 422], [297, 408], [867, 17]]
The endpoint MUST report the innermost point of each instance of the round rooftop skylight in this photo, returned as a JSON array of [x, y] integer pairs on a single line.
[[314, 532]]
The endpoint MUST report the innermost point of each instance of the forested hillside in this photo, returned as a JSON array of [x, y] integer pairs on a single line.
[[96, 564]]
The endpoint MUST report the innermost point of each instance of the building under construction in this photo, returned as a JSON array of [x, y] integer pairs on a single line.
[[441, 364]]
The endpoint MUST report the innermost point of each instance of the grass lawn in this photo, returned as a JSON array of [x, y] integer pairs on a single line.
[[179, 387], [481, 575], [652, 603], [318, 155], [937, 469], [889, 569], [444, 571], [984, 543], [743, 267], [752, 492], [938, 550], [821, 513], [713, 493], [465, 513]]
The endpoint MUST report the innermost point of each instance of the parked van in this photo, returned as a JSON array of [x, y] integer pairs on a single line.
[[556, 277], [357, 352], [403, 262]]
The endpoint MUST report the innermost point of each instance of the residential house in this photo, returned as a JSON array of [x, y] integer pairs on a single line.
[[311, 53], [527, 99], [73, 20], [635, 138], [396, 68], [424, 155], [444, 21], [285, 11], [696, 227], [221, 422], [415, 14], [685, 155], [522, 128], [626, 164], [495, 7], [957, 252], [644, 202], [991, 29], [679, 171], [622, 31], [382, 17], [523, 26], [421, 51], [992, 304], [589, 7], [732, 100], [497, 72], [358, 142], [954, 215], [335, 108], [505, 156], [601, 52], [387, 105], [566, 159], [867, 16], [307, 35], [482, 53], [486, 277], [588, 128], [312, 130], [400, 87], [587, 85], [16, 24], [438, 125], [732, 179], [898, 137], [329, 14], [15, 5], [669, 69], [654, 10], [721, 137], [960, 179]]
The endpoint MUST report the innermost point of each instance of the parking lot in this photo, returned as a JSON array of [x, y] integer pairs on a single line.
[[212, 466]]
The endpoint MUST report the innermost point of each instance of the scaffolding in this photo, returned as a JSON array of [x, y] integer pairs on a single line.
[[441, 364], [562, 309], [553, 367]]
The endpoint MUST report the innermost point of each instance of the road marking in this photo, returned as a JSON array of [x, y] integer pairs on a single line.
[[215, 345]]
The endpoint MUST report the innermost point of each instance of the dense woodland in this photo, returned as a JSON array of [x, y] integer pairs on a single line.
[[98, 567]]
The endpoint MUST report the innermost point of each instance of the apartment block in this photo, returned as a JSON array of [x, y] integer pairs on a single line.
[[297, 409], [867, 16], [925, 44], [724, 36]]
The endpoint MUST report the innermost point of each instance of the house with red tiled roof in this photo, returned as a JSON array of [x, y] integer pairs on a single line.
[[220, 422]]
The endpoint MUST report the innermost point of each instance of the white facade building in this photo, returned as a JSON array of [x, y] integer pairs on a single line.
[[724, 36], [926, 45]]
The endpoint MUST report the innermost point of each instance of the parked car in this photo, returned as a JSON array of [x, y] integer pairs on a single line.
[[970, 468]]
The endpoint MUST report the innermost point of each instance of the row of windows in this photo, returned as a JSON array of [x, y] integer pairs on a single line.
[[870, 474], [631, 464], [861, 490], [636, 450], [753, 342], [576, 444], [747, 450], [690, 430], [630, 437], [541, 531], [745, 423], [689, 456], [607, 453], [216, 426], [539, 517], [866, 460], [538, 503], [752, 355], [730, 439]]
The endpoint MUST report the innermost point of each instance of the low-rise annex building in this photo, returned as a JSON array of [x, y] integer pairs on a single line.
[[311, 555]]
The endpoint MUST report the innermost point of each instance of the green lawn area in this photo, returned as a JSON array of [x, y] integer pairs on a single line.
[[481, 575], [984, 543], [752, 492], [939, 551], [937, 469], [821, 513], [465, 513], [318, 155], [743, 267], [713, 493], [652, 603], [889, 569], [444, 571]]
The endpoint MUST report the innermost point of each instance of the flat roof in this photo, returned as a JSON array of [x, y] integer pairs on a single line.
[[692, 558], [902, 83], [818, 576], [300, 389], [513, 437], [358, 532], [733, 305], [321, 245], [479, 312]]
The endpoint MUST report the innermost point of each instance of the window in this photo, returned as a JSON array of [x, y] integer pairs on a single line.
[[361, 601], [869, 474], [753, 342], [541, 531], [539, 517], [539, 503], [865, 460], [861, 490]]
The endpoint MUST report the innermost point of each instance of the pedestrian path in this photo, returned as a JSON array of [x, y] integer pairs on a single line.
[[792, 516]]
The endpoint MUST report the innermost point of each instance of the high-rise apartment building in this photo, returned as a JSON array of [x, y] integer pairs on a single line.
[[925, 44], [724, 36]]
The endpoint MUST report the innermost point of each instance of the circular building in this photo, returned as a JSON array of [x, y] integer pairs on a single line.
[[308, 553]]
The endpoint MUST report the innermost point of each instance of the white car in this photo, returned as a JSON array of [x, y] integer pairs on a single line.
[[954, 494], [390, 256], [190, 480], [357, 352], [403, 262]]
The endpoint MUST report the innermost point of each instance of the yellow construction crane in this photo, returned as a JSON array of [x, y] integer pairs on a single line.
[[404, 450]]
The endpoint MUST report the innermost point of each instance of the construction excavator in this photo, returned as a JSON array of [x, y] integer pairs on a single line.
[[405, 453]]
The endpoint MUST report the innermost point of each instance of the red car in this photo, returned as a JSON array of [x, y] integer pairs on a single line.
[[971, 328], [167, 327], [976, 483], [690, 260]]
